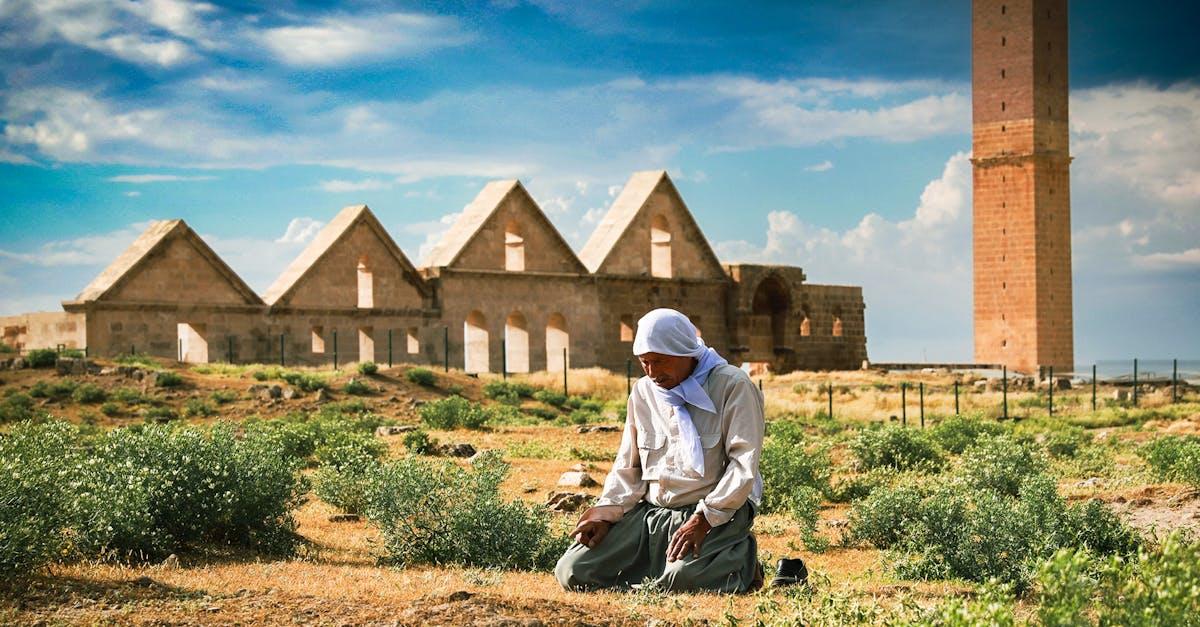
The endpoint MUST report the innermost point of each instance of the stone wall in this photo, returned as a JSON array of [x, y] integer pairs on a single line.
[[43, 329]]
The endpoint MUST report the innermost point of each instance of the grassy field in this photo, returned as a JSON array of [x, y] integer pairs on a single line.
[[342, 573]]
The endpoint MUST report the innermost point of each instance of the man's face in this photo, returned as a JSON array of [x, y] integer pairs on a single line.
[[667, 371]]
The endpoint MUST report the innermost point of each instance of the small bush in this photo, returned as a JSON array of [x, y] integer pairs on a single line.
[[453, 412], [356, 387], [304, 381], [368, 368], [420, 443], [421, 376], [161, 414], [1000, 464], [1174, 458], [16, 407], [89, 393], [168, 379], [198, 408], [341, 480], [583, 417], [5, 349], [260, 375], [790, 467], [896, 448], [223, 397], [35, 469], [58, 390], [1066, 443], [508, 389], [41, 358], [550, 397], [110, 409], [441, 513], [130, 396], [956, 433]]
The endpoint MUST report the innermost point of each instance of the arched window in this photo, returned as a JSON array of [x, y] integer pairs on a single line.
[[413, 341], [516, 343], [475, 343], [557, 341], [805, 322], [626, 327], [366, 344], [514, 248], [837, 323], [660, 247], [366, 284]]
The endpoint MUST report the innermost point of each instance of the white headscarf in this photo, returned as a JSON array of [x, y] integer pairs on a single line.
[[668, 332]]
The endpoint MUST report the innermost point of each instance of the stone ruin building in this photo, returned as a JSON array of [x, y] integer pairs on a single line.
[[501, 290]]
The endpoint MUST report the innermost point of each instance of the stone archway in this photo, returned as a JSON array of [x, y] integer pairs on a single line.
[[768, 316], [475, 343]]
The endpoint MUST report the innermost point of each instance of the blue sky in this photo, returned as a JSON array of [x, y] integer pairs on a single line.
[[834, 136]]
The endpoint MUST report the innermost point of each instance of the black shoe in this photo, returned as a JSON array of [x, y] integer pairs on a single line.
[[790, 571]]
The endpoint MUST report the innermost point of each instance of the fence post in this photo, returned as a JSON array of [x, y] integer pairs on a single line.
[[229, 349], [1174, 379], [922, 392], [85, 354], [132, 350], [1093, 387], [565, 369], [335, 352], [389, 348], [446, 347], [628, 376], [1135, 394], [830, 392], [956, 412], [179, 350], [903, 405], [1051, 392], [281, 364], [1004, 387], [503, 359]]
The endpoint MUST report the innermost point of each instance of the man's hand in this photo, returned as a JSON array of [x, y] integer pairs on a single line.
[[689, 538], [591, 532]]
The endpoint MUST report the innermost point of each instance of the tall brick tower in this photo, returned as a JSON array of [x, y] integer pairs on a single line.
[[1022, 195]]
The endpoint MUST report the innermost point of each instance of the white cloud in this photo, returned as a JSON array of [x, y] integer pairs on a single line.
[[97, 250], [138, 179], [344, 39], [300, 231], [133, 194], [338, 185], [823, 166], [1185, 260]]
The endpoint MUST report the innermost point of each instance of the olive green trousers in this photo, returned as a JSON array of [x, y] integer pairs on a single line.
[[634, 553]]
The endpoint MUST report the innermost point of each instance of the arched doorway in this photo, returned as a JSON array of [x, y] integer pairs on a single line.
[[557, 341], [475, 343], [769, 310], [516, 343]]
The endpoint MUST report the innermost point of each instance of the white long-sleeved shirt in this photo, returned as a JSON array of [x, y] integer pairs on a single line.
[[650, 463]]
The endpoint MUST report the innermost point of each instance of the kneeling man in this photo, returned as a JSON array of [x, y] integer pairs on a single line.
[[678, 504]]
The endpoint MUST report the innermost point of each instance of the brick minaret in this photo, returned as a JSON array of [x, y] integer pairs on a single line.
[[1022, 195]]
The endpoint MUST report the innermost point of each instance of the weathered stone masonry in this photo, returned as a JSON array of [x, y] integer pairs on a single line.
[[502, 282]]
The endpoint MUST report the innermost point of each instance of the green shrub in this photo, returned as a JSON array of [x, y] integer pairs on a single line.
[[440, 513], [859, 486], [368, 368], [161, 414], [791, 467], [130, 396], [583, 416], [304, 381], [454, 389], [198, 408], [341, 480], [168, 379], [223, 397], [1174, 458], [6, 349], [420, 443], [550, 397], [453, 412], [1067, 442], [311, 439], [61, 389], [508, 389], [1000, 464], [895, 447], [89, 393], [1157, 587], [956, 433], [883, 517], [356, 387], [110, 409], [542, 413], [260, 375], [16, 407], [41, 358], [421, 376], [36, 462]]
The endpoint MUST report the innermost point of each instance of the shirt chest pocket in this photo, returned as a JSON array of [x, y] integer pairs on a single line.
[[652, 448]]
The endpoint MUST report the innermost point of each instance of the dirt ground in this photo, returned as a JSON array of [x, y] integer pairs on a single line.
[[335, 580]]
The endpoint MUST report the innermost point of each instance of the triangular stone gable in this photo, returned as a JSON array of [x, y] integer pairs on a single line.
[[326, 274], [169, 263], [621, 243], [504, 215]]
